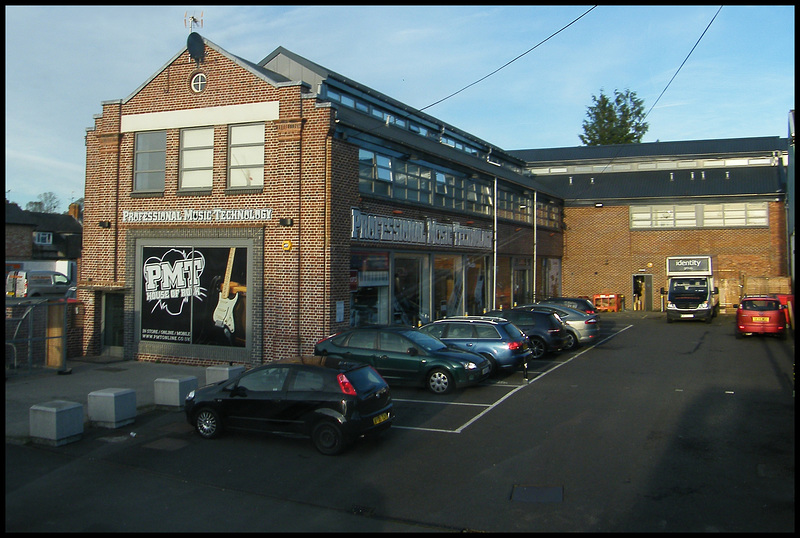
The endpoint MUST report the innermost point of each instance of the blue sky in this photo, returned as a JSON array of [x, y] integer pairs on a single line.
[[62, 62]]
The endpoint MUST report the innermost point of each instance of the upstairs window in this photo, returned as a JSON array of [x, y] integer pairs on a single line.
[[150, 158], [246, 151], [197, 158], [43, 238]]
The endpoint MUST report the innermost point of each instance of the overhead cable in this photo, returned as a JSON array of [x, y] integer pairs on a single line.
[[510, 62]]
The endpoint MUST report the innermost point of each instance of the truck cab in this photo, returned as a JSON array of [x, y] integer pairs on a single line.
[[691, 292]]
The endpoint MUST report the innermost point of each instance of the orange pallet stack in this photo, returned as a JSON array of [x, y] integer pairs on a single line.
[[606, 303]]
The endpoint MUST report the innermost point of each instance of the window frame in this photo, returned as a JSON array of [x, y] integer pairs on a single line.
[[254, 166], [159, 173], [183, 168]]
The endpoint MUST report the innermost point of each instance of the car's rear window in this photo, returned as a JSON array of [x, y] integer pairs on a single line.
[[760, 304], [513, 331], [365, 379], [487, 331]]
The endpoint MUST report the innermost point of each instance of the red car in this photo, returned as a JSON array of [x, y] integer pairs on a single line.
[[760, 315]]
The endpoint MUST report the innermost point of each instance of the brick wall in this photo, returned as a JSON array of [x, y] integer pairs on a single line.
[[19, 242], [296, 185], [601, 254]]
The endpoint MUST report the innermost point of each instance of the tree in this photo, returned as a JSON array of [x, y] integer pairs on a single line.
[[620, 121], [48, 203]]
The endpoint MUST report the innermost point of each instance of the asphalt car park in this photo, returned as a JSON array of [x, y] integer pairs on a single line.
[[624, 435], [417, 409]]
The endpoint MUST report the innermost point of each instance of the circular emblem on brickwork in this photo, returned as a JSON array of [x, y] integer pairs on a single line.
[[198, 82]]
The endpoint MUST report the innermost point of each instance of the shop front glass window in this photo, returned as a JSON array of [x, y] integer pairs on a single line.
[[522, 281], [503, 289], [411, 301], [447, 286], [369, 301], [476, 289]]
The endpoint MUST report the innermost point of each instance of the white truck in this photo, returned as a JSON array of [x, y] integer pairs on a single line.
[[691, 292]]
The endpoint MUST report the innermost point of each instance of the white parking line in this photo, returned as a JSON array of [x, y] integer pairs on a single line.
[[489, 407], [440, 403]]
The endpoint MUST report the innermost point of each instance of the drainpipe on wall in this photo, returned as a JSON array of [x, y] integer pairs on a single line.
[[494, 246], [535, 241], [299, 223]]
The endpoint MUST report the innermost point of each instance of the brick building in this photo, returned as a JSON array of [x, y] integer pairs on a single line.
[[628, 207], [239, 212]]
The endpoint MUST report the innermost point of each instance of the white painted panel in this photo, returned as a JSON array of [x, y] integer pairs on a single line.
[[198, 117]]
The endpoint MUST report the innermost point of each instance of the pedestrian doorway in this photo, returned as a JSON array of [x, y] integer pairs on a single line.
[[113, 329], [643, 292]]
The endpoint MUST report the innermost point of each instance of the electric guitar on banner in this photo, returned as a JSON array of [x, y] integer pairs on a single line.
[[223, 314]]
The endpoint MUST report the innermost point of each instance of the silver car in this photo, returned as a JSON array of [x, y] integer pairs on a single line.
[[582, 328]]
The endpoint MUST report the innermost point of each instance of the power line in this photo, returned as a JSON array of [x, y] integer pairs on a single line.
[[619, 150], [682, 64], [510, 62]]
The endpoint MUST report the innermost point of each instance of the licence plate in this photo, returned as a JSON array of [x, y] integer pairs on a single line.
[[687, 315], [383, 417], [760, 319]]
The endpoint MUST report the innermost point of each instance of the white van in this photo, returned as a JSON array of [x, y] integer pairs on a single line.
[[36, 284]]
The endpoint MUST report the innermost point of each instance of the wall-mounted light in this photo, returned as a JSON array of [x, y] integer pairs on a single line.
[[598, 204], [397, 211], [287, 222], [104, 224]]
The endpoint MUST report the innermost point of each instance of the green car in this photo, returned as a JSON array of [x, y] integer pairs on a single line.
[[404, 355]]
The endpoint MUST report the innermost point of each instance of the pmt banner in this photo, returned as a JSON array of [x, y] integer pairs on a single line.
[[194, 295]]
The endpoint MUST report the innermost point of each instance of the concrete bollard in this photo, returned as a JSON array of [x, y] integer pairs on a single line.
[[112, 408], [215, 374], [172, 391], [56, 423]]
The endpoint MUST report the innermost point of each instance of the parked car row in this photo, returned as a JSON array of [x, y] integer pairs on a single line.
[[343, 392]]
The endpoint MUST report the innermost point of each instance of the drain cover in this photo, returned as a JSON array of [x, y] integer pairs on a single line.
[[538, 494]]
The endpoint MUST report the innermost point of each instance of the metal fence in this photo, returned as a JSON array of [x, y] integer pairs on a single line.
[[36, 335]]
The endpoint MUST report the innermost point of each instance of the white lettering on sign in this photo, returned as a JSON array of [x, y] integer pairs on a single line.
[[368, 227], [176, 277], [197, 215]]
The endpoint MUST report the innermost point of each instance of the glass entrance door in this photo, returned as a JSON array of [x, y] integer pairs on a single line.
[[411, 299]]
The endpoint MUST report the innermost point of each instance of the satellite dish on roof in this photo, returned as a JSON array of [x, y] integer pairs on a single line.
[[197, 47], [195, 43]]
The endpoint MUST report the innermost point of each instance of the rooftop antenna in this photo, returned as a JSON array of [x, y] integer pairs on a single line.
[[195, 43], [191, 21]]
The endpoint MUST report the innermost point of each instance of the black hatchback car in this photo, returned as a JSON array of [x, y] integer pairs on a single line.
[[546, 332], [333, 402]]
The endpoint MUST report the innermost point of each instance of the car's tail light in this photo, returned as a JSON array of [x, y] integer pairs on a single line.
[[345, 385], [588, 321], [513, 346]]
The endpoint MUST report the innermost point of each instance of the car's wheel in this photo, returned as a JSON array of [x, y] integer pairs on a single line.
[[782, 335], [328, 437], [570, 341], [207, 423], [738, 334], [439, 381], [538, 348]]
